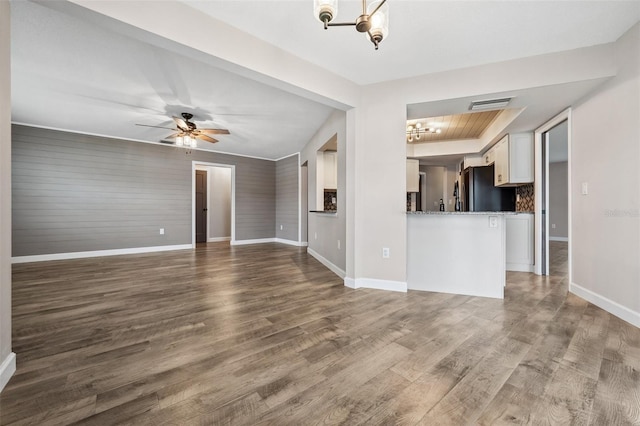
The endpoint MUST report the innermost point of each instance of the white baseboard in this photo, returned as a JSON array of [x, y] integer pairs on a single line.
[[376, 284], [218, 239], [339, 272], [254, 241], [268, 240], [97, 253], [7, 368], [614, 308], [291, 242], [565, 239], [520, 267]]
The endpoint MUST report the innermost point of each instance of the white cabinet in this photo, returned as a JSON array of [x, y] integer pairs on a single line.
[[520, 242], [488, 158], [485, 159], [513, 159], [330, 170], [413, 175], [473, 161]]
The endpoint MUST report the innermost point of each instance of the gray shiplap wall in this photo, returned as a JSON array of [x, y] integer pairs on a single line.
[[287, 198], [74, 192]]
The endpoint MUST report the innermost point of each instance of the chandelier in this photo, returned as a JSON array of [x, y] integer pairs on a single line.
[[373, 21], [415, 132]]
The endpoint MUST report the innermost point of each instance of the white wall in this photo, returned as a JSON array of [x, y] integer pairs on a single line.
[[326, 231], [7, 358], [605, 155], [558, 200], [219, 202]]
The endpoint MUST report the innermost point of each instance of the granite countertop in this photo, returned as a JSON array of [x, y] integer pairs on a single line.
[[464, 213], [324, 211]]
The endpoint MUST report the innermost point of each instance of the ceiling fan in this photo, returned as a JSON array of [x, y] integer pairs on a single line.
[[187, 133]]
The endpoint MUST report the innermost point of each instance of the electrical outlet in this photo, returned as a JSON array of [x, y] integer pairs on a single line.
[[281, 227], [161, 231], [385, 252], [493, 221], [553, 226]]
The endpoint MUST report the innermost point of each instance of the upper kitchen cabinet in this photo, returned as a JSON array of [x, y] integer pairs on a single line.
[[330, 170], [513, 159], [413, 175]]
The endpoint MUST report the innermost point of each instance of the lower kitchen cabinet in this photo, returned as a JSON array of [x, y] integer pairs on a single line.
[[520, 242]]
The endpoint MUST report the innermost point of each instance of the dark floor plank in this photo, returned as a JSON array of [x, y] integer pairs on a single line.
[[267, 335]]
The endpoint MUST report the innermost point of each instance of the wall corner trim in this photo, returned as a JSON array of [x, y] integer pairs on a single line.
[[97, 253], [7, 368], [333, 268], [614, 308], [376, 284]]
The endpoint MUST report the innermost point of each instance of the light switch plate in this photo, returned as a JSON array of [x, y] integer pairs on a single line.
[[585, 188], [493, 221]]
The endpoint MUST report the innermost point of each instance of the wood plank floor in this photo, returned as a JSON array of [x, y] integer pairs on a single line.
[[266, 335]]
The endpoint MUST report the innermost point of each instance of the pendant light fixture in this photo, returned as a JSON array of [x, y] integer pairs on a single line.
[[374, 20]]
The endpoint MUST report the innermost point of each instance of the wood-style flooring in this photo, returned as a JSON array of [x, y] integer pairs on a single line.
[[264, 334]]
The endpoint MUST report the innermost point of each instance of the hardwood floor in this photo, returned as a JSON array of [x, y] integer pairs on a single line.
[[266, 335]]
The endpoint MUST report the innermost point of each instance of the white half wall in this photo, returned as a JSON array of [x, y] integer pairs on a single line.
[[326, 232]]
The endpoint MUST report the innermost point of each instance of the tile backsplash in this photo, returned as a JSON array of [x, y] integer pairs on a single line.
[[527, 198], [330, 201]]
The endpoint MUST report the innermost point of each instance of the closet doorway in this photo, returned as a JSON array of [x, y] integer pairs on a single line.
[[213, 207]]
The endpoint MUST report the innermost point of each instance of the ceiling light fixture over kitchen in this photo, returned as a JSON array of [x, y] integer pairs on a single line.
[[415, 131], [374, 22]]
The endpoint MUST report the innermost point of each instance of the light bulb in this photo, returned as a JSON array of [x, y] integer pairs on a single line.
[[325, 11], [379, 21], [193, 143], [179, 141], [187, 140], [438, 130]]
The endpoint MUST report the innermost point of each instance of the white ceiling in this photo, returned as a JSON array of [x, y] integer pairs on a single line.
[[74, 75], [87, 76], [428, 36]]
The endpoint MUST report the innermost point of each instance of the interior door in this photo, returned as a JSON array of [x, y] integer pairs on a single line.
[[201, 206]]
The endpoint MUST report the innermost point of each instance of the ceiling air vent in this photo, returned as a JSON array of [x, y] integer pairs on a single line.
[[489, 104]]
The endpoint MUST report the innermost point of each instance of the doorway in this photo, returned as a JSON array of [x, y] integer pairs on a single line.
[[201, 206], [553, 196], [213, 202]]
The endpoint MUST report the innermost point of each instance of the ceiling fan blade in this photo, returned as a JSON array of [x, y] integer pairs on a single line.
[[175, 135], [181, 123], [157, 127], [206, 138], [215, 131]]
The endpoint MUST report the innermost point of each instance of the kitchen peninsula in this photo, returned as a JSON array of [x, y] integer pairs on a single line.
[[457, 252]]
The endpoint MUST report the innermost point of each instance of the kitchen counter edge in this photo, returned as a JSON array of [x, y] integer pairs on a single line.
[[436, 213]]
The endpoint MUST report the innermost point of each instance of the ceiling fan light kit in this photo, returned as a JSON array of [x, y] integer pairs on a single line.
[[187, 133], [374, 20]]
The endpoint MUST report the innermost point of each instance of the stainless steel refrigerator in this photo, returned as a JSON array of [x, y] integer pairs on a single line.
[[480, 194]]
